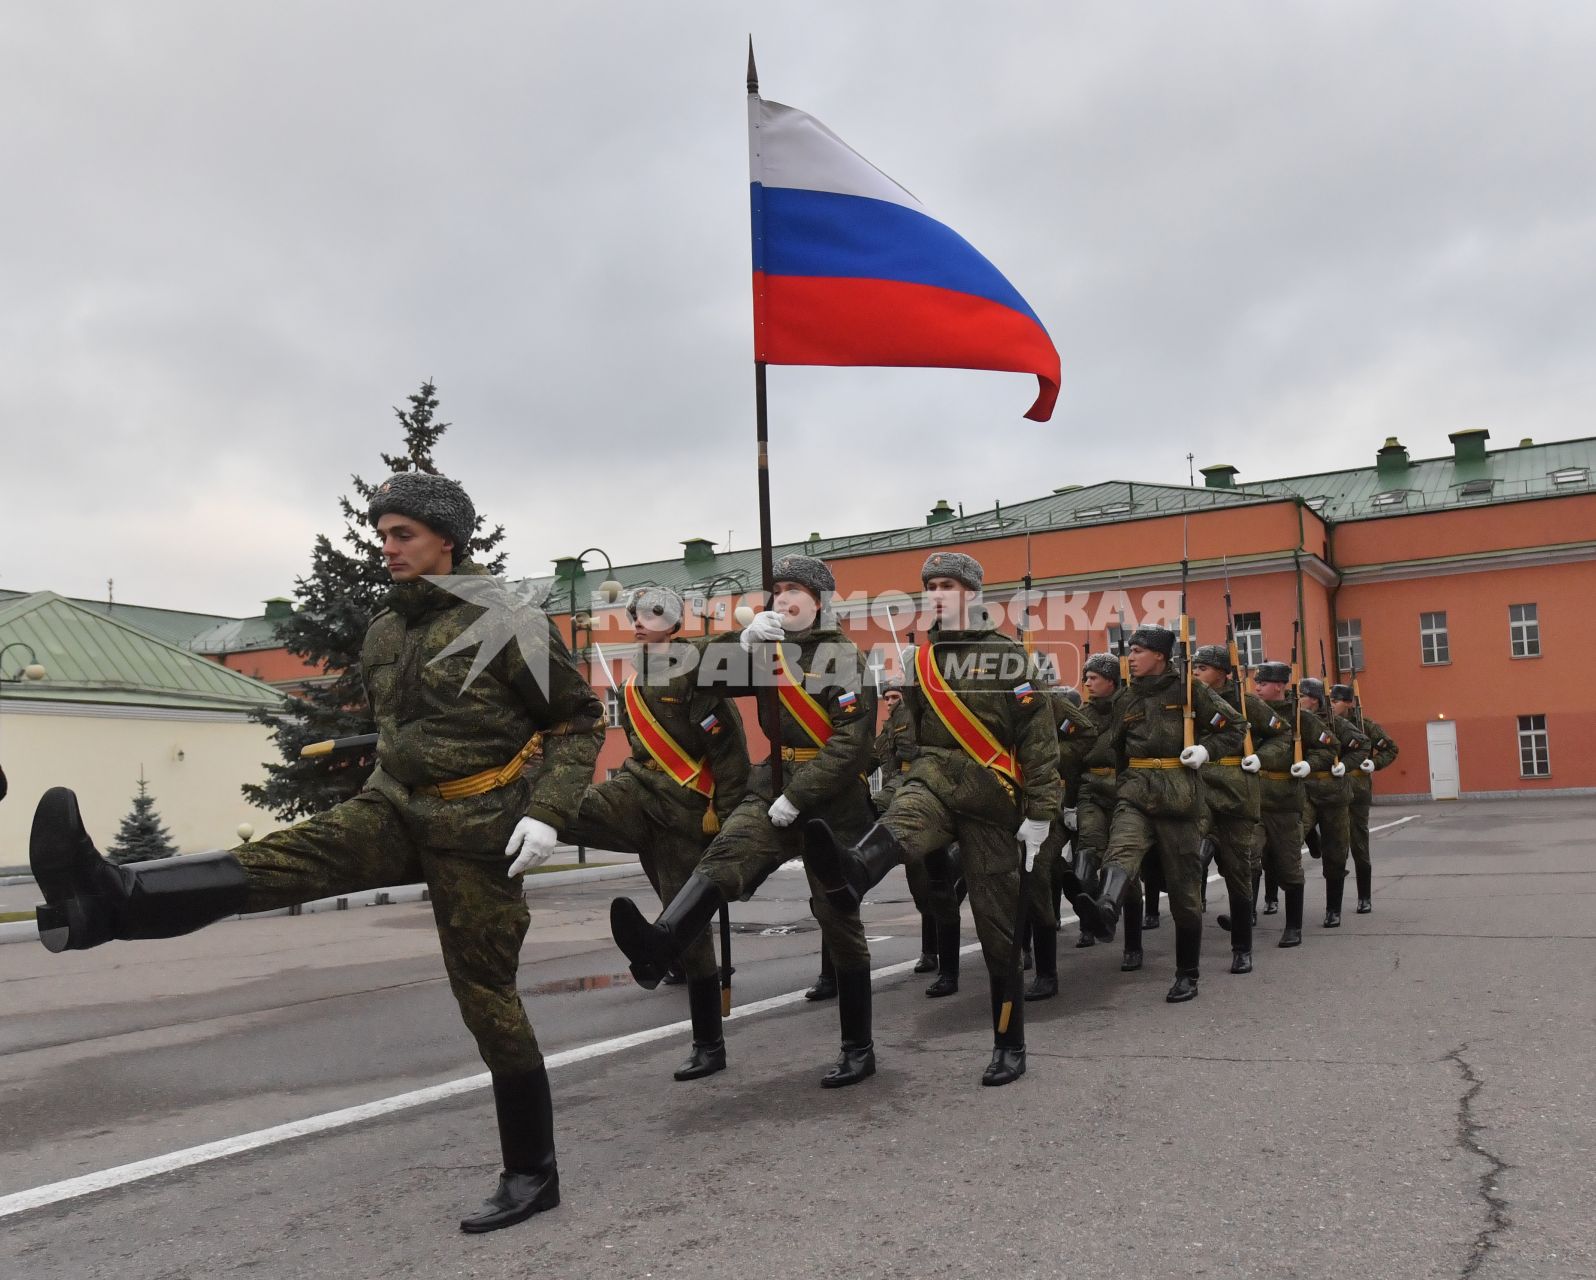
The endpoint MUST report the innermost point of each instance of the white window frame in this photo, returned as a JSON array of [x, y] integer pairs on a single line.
[[1534, 747], [1349, 645], [1249, 639], [1435, 641], [614, 704], [1524, 630]]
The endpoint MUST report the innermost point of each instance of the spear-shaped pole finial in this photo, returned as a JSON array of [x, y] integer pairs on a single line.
[[753, 71]]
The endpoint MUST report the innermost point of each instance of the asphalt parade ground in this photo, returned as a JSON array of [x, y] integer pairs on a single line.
[[1410, 1095]]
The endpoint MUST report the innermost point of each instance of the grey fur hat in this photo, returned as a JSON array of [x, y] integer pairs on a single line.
[[1312, 687], [1341, 693], [661, 602], [955, 565], [1158, 639], [1104, 664], [1212, 655], [1070, 695], [809, 573], [1272, 672], [437, 501]]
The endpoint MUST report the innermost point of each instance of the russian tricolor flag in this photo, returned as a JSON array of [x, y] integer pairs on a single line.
[[849, 268]]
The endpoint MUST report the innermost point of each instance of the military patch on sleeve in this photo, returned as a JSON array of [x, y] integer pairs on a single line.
[[1069, 728], [848, 702], [1275, 722], [1024, 693], [711, 724], [1219, 721], [1327, 738]]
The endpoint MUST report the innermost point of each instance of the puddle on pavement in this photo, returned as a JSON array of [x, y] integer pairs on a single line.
[[590, 982]]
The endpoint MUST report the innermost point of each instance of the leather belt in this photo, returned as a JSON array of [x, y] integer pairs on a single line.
[[1234, 761], [1155, 762], [796, 755], [1102, 771]]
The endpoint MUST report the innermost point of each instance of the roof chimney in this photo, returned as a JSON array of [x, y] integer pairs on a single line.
[[1525, 443], [278, 607], [1219, 476], [1468, 445], [697, 550], [567, 568], [1391, 462], [941, 513]]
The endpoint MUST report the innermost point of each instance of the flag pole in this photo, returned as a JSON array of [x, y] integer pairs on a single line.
[[769, 713]]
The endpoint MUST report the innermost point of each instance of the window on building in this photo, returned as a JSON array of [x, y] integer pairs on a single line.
[[610, 774], [1390, 498], [1249, 639], [612, 706], [1524, 626], [1349, 645], [1571, 475], [1317, 504], [1116, 638], [1476, 488], [1534, 755], [1434, 648]]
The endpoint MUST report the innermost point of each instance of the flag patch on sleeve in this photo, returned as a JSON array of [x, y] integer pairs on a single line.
[[1024, 692], [847, 701], [710, 724], [1218, 721]]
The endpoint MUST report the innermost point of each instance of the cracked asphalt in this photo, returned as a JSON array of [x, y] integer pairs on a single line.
[[1409, 1096]]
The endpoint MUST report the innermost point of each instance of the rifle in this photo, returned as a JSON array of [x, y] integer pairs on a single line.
[[329, 746], [1185, 633], [1123, 650], [1007, 1010], [1296, 691], [1235, 661], [1323, 672]]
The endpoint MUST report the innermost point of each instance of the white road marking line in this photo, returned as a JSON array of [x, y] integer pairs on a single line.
[[140, 1170]]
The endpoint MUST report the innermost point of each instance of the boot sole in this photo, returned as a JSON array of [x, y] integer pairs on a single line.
[[698, 1073], [1182, 998], [842, 1082], [63, 860], [549, 1199]]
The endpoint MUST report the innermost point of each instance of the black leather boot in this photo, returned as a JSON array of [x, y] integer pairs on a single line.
[[1207, 851], [1365, 890], [652, 947], [1150, 917], [1100, 914], [1188, 950], [675, 976], [927, 963], [1084, 878], [1257, 877], [947, 980], [88, 900], [1291, 935], [857, 1061], [1271, 893], [848, 872], [530, 1182], [709, 1046], [1332, 901], [1044, 983], [825, 987], [1132, 959], [1240, 934], [1008, 1034]]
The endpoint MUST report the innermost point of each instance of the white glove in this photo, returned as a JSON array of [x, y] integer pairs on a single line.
[[1194, 757], [531, 843], [765, 626], [1033, 833], [1338, 770], [1367, 766], [1067, 817], [782, 812], [1251, 764], [1300, 769]]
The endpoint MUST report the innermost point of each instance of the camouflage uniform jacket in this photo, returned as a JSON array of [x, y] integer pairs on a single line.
[[832, 784], [1370, 743], [1280, 792], [894, 751], [704, 724], [1077, 735], [989, 673], [434, 725], [1101, 787], [1321, 748], [1228, 789], [1149, 723]]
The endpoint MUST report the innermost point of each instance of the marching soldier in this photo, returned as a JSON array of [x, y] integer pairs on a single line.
[[1051, 878], [686, 774], [931, 880], [1160, 795], [448, 802], [1094, 807], [1232, 793], [986, 776], [1376, 752], [825, 732], [1326, 796]]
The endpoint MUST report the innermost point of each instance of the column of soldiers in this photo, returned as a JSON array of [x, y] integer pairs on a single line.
[[482, 762]]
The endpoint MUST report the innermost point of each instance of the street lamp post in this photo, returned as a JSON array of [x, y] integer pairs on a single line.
[[34, 670], [734, 579], [610, 590]]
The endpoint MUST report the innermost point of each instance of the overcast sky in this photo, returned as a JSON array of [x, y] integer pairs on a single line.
[[235, 235]]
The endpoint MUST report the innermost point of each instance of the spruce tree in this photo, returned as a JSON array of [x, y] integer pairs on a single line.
[[142, 835], [337, 600]]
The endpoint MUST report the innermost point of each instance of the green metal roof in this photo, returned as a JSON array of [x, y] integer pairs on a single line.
[[1429, 484], [236, 635], [175, 626], [98, 658]]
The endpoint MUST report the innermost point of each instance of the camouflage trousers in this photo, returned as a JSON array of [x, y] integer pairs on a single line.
[[1358, 818], [668, 838], [1135, 834], [749, 848], [932, 888], [1234, 835], [1331, 820], [920, 822], [482, 917], [1277, 846]]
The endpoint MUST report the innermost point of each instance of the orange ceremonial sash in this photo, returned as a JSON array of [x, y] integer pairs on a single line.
[[800, 705], [667, 753]]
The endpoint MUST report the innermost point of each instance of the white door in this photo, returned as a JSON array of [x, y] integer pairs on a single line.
[[1441, 736]]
